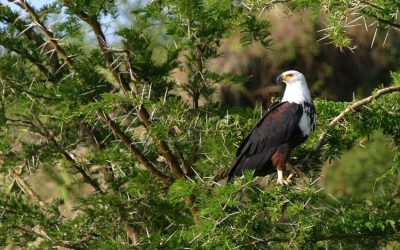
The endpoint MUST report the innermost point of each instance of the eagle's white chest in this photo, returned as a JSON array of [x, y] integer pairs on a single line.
[[297, 92], [307, 120], [305, 124]]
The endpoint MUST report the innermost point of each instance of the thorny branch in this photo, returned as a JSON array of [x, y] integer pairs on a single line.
[[22, 90], [27, 30], [374, 6], [134, 151], [50, 37], [86, 177], [49, 136], [60, 51], [332, 237], [34, 60], [93, 22], [162, 146], [143, 113], [186, 167]]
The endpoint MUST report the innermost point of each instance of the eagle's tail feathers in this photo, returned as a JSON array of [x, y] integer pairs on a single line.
[[254, 162], [237, 166]]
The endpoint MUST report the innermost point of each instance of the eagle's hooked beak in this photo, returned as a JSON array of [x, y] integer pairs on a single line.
[[279, 79]]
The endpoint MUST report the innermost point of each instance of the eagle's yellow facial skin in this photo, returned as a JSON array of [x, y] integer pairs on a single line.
[[287, 77]]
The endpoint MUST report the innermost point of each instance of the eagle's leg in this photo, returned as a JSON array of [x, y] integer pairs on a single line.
[[279, 160]]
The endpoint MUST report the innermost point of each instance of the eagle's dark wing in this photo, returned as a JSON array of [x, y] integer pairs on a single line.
[[275, 128], [243, 143]]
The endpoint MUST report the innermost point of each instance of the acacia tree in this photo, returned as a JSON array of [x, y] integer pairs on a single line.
[[113, 117]]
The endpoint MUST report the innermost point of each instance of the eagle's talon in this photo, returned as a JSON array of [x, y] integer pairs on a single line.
[[283, 182]]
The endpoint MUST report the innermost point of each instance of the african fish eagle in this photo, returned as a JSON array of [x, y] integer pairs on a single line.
[[283, 127]]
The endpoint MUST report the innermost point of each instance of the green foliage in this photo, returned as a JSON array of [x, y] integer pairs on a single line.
[[356, 172], [395, 78], [116, 176], [254, 30]]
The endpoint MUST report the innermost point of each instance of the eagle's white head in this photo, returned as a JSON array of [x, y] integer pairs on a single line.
[[296, 87]]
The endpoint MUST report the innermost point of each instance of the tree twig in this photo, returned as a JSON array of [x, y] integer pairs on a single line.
[[49, 136], [27, 30], [133, 235], [190, 202], [40, 42], [143, 113], [353, 237], [22, 90]]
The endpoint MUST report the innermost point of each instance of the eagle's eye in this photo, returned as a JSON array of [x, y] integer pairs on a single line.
[[290, 75]]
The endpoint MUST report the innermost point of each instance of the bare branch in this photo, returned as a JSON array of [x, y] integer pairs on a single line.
[[352, 108]]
